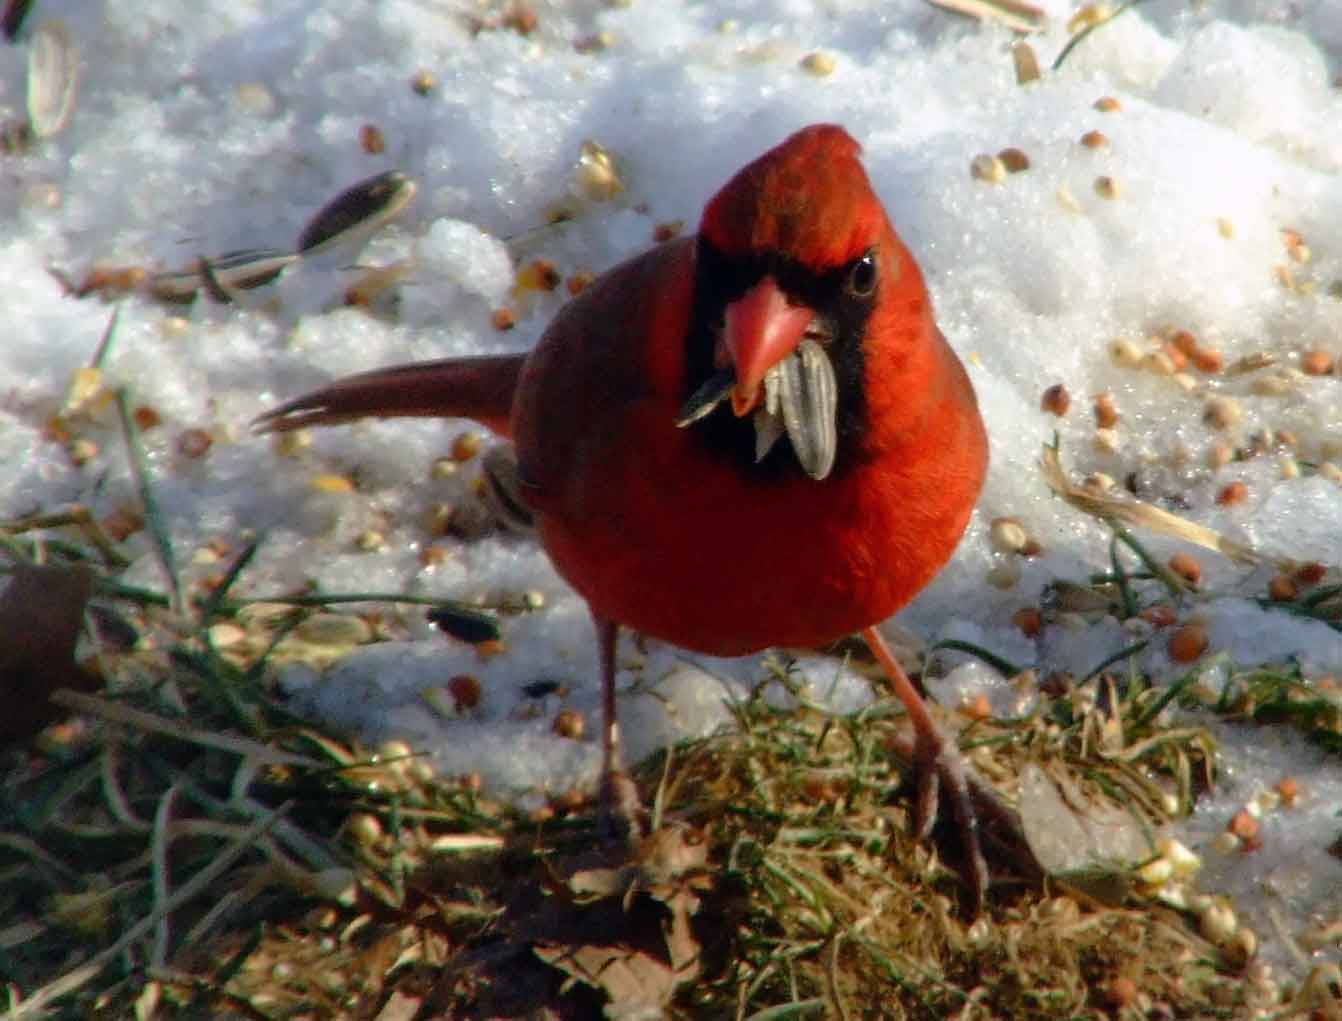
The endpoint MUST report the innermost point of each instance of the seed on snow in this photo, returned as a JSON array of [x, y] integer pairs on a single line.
[[1219, 455], [1186, 566], [1107, 441], [1029, 620], [1233, 494], [1095, 140], [596, 177], [466, 446], [1218, 923], [1282, 589], [1007, 535], [1106, 187], [1310, 573], [1208, 360], [1004, 575], [819, 63], [1014, 160], [988, 168], [1125, 352], [1056, 400], [1316, 363], [465, 690], [569, 723], [1106, 411], [423, 82], [1289, 790], [1188, 643], [1108, 104], [1222, 412]]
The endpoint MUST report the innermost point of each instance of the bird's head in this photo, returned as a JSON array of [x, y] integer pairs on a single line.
[[793, 254]]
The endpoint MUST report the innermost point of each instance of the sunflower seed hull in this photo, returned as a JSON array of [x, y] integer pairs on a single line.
[[712, 393], [809, 398], [357, 211], [53, 78]]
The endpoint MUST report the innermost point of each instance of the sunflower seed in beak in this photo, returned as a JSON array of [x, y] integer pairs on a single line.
[[768, 430], [712, 393], [803, 388]]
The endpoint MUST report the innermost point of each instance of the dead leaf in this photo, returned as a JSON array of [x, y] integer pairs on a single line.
[[41, 613]]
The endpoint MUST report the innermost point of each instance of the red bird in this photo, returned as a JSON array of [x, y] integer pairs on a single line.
[[752, 437]]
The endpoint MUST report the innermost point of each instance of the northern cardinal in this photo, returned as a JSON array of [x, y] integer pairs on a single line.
[[752, 437]]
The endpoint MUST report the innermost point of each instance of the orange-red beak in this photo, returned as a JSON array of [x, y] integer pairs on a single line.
[[761, 330]]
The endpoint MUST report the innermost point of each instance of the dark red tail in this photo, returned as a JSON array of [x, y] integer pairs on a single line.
[[478, 388]]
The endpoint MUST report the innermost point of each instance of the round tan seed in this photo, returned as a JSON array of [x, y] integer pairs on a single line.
[[1107, 441], [1007, 535], [1106, 187], [1015, 160], [1125, 352], [819, 63], [1108, 104], [1222, 412], [570, 723], [988, 168], [1095, 140]]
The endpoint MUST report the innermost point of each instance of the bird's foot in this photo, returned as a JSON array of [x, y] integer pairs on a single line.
[[943, 781], [621, 817]]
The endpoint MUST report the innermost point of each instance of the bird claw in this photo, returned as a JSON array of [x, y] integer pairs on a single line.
[[943, 780], [621, 817]]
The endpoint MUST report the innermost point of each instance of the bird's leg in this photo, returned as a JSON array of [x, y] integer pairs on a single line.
[[939, 772], [619, 811]]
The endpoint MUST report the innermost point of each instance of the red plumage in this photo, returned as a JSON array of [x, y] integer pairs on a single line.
[[666, 528]]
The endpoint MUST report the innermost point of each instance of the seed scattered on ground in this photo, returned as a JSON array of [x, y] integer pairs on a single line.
[[569, 723], [1233, 494], [1056, 400], [1187, 567], [1282, 589], [1316, 362], [988, 168], [1187, 643], [371, 140], [1007, 535], [1222, 412], [1029, 620], [1106, 411], [819, 63]]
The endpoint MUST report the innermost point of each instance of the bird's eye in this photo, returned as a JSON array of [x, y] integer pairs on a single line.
[[862, 277]]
